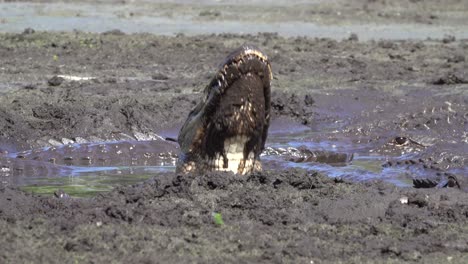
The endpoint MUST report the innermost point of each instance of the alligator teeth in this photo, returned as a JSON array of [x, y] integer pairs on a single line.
[[234, 153]]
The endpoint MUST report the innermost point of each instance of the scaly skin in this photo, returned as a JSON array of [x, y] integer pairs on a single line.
[[432, 166], [227, 130]]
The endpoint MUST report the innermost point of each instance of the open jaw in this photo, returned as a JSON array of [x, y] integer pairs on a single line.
[[227, 129]]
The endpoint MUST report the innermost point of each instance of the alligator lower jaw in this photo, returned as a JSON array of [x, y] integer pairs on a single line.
[[234, 153], [227, 130], [232, 160]]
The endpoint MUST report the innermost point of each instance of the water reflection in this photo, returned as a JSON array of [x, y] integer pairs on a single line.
[[128, 162]]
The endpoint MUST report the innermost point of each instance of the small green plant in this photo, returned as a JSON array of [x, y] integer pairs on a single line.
[[218, 219], [55, 57]]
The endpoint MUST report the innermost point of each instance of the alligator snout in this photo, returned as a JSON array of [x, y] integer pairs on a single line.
[[227, 130]]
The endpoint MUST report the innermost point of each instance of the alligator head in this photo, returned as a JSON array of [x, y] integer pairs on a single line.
[[227, 130]]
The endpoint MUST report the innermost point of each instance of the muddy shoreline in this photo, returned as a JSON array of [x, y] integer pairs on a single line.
[[144, 83], [288, 216], [57, 88]]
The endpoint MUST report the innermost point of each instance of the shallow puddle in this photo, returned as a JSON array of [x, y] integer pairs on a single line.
[[89, 181], [364, 165], [83, 168], [89, 168]]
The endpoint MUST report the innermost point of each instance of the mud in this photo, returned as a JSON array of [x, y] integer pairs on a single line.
[[288, 216], [76, 87]]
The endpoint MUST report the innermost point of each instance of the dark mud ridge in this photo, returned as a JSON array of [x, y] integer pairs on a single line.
[[57, 88], [273, 217]]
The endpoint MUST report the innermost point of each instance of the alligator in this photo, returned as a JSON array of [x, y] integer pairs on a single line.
[[227, 129], [56, 161], [116, 153], [433, 164]]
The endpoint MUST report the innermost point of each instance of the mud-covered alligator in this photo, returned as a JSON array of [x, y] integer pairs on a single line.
[[432, 164], [227, 130]]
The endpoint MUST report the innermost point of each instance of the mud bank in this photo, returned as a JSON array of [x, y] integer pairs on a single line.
[[272, 217], [57, 87]]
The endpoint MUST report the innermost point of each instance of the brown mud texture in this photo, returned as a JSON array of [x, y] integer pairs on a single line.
[[142, 83]]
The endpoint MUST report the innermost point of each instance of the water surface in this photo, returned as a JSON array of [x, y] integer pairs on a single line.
[[102, 17]]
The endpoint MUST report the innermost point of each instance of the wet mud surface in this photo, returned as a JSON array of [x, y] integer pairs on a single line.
[[404, 103], [273, 217]]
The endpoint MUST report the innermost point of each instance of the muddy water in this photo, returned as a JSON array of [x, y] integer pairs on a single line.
[[365, 162], [84, 169]]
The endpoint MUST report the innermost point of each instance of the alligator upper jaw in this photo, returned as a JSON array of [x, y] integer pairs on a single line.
[[227, 130]]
